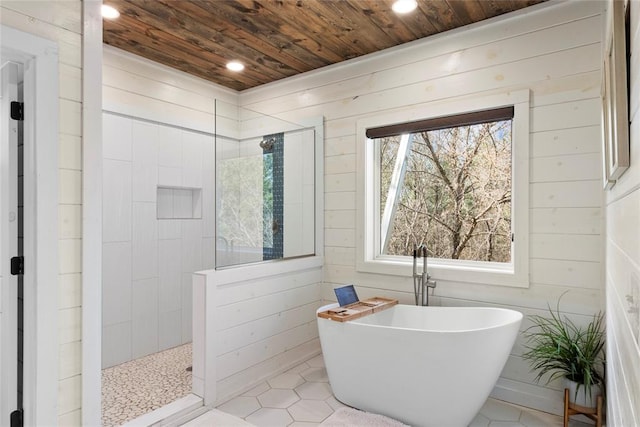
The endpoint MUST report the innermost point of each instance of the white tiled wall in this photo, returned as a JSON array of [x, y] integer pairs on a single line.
[[553, 50], [147, 262], [623, 267]]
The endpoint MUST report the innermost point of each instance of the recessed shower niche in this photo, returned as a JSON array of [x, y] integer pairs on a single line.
[[265, 188], [179, 203]]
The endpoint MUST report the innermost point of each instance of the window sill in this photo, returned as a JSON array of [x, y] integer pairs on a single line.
[[489, 274]]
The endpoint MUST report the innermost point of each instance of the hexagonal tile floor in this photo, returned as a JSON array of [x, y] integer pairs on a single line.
[[302, 396]]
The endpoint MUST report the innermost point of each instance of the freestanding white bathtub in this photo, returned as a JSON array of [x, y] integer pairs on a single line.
[[424, 366]]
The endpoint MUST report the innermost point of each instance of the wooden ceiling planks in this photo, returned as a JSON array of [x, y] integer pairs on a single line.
[[279, 38]]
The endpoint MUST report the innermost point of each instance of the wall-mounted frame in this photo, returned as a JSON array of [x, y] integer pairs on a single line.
[[615, 115]]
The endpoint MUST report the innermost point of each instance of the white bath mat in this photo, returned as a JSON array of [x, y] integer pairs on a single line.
[[349, 417]]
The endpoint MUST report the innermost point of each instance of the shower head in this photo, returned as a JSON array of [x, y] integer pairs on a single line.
[[267, 144]]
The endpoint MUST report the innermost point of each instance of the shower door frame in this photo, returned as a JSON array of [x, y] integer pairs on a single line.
[[40, 220]]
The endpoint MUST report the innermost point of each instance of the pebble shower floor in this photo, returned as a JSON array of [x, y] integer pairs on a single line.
[[140, 386]]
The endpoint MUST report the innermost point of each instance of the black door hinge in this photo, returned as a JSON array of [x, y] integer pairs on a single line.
[[17, 110], [17, 265], [17, 418]]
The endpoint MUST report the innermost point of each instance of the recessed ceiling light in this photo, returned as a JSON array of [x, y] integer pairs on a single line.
[[404, 6], [235, 66], [109, 12]]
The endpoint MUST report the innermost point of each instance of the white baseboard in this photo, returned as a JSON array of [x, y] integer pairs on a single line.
[[530, 396]]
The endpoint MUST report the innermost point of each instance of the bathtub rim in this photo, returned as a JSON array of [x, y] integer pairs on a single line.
[[514, 316]]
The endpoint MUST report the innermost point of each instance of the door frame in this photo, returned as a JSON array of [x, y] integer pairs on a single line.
[[92, 213], [40, 139], [9, 232]]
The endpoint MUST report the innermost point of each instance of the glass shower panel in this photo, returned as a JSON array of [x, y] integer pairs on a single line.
[[265, 188]]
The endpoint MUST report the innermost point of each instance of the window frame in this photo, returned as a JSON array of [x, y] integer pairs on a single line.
[[368, 257]]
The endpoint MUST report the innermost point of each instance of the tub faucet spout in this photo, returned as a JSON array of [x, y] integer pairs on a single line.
[[421, 281]]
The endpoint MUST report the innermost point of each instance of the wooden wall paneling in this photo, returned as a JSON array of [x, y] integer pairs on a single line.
[[517, 75], [69, 42], [227, 129], [118, 101], [256, 308], [339, 256], [151, 88], [339, 146], [340, 182], [578, 167], [114, 58], [340, 219], [569, 194], [257, 330], [70, 81], [628, 370], [344, 200], [570, 220], [241, 359], [70, 118], [340, 164], [579, 274], [581, 113], [238, 292], [564, 142], [340, 238], [64, 15], [627, 242], [575, 87], [569, 247]]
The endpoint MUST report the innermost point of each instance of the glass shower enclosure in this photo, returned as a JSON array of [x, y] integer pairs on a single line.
[[265, 187]]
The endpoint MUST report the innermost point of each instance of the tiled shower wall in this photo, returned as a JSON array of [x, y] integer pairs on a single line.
[[148, 262]]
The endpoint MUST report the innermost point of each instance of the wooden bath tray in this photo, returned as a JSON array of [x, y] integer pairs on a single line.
[[358, 309]]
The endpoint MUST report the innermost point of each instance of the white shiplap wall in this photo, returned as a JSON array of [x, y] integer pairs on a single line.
[[139, 88], [553, 50], [61, 22], [264, 323], [623, 266]]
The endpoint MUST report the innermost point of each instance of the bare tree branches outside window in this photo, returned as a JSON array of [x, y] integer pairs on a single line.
[[240, 201], [456, 194]]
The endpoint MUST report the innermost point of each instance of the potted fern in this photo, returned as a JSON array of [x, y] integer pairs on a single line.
[[557, 347]]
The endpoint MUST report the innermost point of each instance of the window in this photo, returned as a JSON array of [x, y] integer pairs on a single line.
[[457, 183]]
